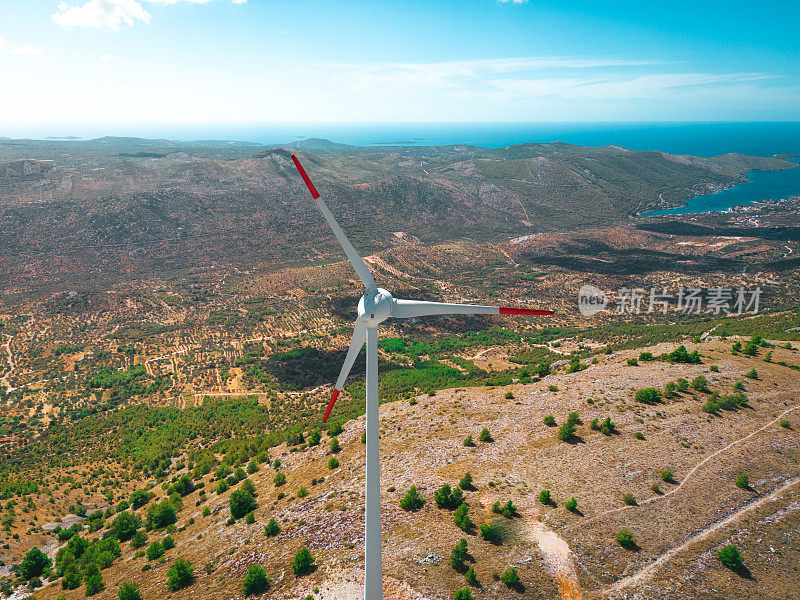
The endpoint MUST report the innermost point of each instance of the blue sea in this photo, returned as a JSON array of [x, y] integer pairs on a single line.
[[699, 139]]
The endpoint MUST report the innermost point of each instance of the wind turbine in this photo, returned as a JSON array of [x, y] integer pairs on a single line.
[[374, 307]]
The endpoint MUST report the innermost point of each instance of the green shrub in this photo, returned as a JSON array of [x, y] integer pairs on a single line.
[[639, 435], [646, 356], [465, 594], [279, 480], [180, 575], [468, 441], [785, 423], [252, 466], [139, 498], [594, 424], [670, 389], [129, 591], [206, 511], [72, 578], [571, 504], [302, 492], [485, 436], [465, 483], [632, 362], [303, 562], [461, 518], [445, 497], [751, 374], [629, 499], [412, 500], [491, 532], [552, 388], [459, 555], [667, 476], [625, 539], [335, 428], [138, 540], [566, 432], [255, 581], [510, 577], [222, 487], [731, 558], [736, 347], [471, 577], [94, 584], [34, 564], [509, 396], [699, 383], [333, 463], [168, 543], [714, 369], [241, 503], [272, 528], [743, 481], [544, 497], [648, 395], [681, 355], [574, 418], [683, 384], [550, 421], [161, 515], [335, 447], [607, 427], [155, 551], [125, 525]]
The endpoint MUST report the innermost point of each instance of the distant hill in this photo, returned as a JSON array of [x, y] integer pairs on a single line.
[[133, 206]]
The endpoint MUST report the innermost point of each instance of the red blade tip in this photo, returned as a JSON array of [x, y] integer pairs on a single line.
[[331, 402], [306, 178], [507, 310]]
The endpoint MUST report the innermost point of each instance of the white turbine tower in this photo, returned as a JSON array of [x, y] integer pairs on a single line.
[[375, 306]]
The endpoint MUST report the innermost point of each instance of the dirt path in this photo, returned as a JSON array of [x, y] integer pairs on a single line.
[[5, 381], [651, 568], [694, 469], [559, 560]]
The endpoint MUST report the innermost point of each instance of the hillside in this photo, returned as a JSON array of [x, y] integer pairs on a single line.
[[678, 521], [121, 208]]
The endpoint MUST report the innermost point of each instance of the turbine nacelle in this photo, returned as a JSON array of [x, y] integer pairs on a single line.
[[375, 307]]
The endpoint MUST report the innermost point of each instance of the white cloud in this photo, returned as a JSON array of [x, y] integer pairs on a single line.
[[618, 87], [101, 14], [111, 15], [7, 47]]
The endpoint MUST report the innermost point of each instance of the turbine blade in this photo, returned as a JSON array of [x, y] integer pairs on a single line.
[[362, 271], [406, 309], [359, 336]]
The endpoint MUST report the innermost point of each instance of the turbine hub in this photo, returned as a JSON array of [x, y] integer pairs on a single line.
[[375, 307]]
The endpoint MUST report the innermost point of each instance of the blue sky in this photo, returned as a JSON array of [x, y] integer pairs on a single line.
[[188, 61]]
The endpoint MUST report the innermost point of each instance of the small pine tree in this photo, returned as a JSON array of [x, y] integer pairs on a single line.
[[465, 594], [510, 577], [279, 480], [465, 483], [333, 463], [335, 447], [129, 591], [412, 500], [255, 581], [471, 577], [544, 497], [731, 558], [180, 575], [459, 555], [485, 436], [566, 432], [468, 441], [272, 528], [625, 539], [303, 562], [743, 481], [550, 421], [571, 504], [461, 518]]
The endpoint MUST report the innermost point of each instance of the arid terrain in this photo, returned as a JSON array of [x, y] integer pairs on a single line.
[[172, 319]]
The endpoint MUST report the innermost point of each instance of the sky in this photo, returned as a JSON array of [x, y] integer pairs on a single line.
[[71, 62]]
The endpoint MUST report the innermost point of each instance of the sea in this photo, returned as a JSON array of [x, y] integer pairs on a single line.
[[695, 138]]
